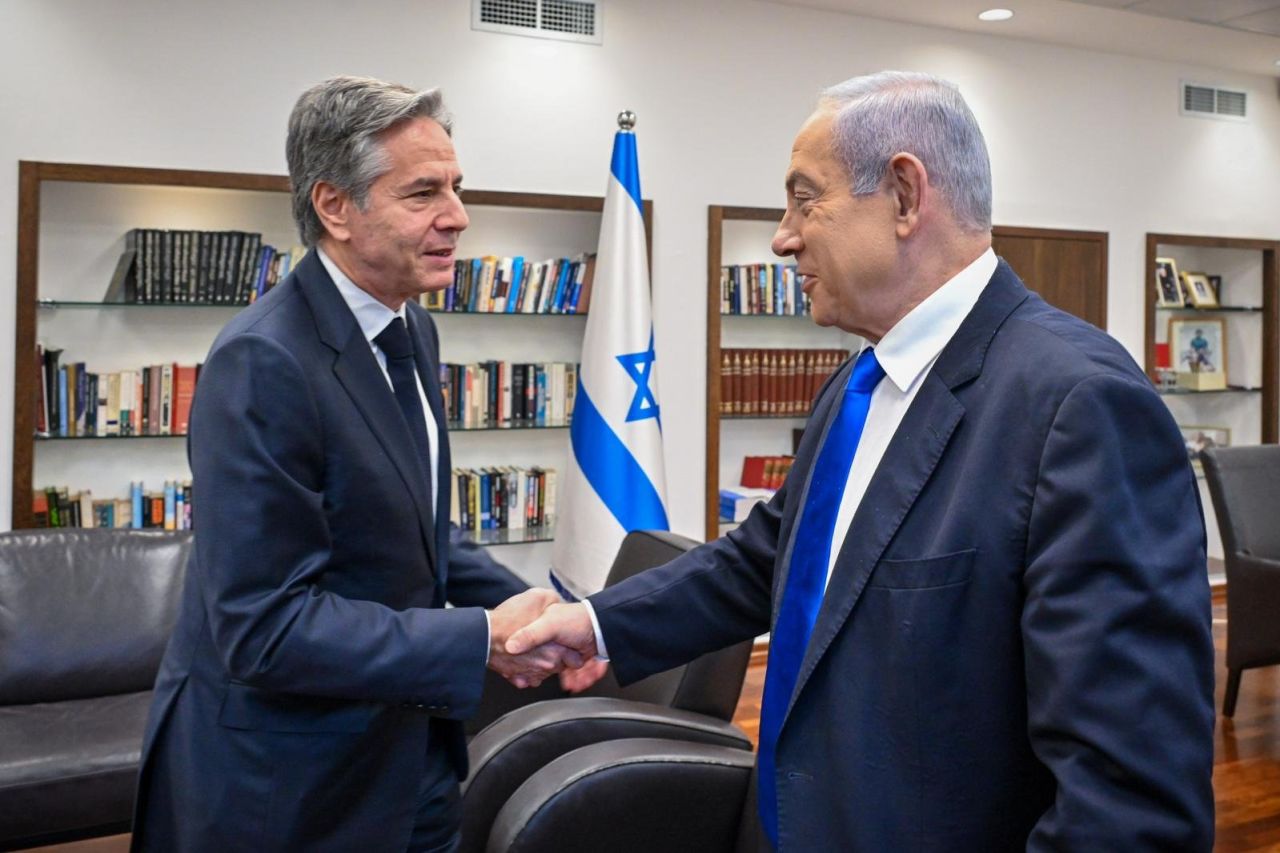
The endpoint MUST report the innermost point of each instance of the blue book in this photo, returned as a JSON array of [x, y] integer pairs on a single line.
[[514, 292], [135, 496], [62, 401], [170, 507], [541, 399], [557, 297], [486, 509], [477, 272]]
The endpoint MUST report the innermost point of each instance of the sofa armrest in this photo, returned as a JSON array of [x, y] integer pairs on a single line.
[[517, 745], [630, 796]]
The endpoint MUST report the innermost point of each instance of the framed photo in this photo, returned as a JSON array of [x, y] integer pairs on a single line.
[[1198, 347], [1215, 283], [1200, 438], [1168, 285], [1199, 290]]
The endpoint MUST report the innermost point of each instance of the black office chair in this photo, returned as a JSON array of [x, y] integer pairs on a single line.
[[1244, 484], [690, 703], [634, 796]]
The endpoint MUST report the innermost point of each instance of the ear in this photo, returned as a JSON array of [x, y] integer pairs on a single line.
[[333, 206], [908, 181]]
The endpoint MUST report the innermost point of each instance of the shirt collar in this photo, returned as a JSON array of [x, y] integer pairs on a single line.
[[916, 341], [371, 315]]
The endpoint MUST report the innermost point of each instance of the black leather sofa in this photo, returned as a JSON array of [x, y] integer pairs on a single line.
[[84, 619]]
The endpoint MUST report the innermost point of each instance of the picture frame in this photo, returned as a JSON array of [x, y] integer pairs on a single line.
[[1215, 282], [1199, 438], [1197, 347], [1169, 292], [1198, 290]]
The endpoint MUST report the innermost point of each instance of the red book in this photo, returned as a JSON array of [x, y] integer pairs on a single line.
[[753, 476], [184, 391]]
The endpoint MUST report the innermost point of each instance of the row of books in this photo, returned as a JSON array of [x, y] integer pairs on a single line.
[[762, 289], [169, 509], [74, 402], [774, 381], [197, 267], [494, 285], [499, 392], [504, 498]]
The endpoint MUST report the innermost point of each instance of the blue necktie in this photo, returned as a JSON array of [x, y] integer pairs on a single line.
[[398, 348], [807, 577]]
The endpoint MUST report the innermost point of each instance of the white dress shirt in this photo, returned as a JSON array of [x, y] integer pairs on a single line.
[[906, 352], [372, 317]]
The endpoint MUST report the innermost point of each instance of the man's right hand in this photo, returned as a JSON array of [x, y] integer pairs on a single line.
[[529, 668], [566, 626]]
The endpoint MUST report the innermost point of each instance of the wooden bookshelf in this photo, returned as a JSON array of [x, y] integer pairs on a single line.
[[32, 180], [1268, 353]]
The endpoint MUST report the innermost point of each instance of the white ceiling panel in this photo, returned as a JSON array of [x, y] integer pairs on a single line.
[[1203, 11], [1262, 22]]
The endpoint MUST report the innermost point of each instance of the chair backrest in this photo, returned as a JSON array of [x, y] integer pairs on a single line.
[[86, 612], [630, 796], [1244, 485], [709, 685]]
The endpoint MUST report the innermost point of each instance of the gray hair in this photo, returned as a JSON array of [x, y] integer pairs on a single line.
[[334, 134], [881, 115]]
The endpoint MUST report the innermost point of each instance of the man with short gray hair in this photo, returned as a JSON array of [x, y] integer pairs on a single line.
[[984, 579], [312, 692]]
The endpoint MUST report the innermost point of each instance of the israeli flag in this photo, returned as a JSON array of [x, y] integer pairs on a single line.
[[614, 482]]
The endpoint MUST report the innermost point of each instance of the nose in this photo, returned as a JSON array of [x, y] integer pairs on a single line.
[[786, 240], [454, 216]]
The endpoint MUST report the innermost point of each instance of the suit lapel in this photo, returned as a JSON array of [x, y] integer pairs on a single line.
[[358, 372], [909, 461]]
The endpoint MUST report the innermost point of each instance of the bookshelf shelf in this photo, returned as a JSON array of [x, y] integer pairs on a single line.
[[523, 536], [126, 197], [1221, 309], [1230, 389]]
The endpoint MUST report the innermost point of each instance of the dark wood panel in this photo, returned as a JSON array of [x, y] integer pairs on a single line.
[[1067, 268]]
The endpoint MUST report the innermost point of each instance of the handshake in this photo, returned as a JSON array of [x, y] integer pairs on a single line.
[[534, 635]]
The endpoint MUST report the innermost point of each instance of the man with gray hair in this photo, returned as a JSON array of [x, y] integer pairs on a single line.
[[984, 579], [312, 692]]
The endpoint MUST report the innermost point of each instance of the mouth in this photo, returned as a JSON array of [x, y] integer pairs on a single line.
[[443, 254]]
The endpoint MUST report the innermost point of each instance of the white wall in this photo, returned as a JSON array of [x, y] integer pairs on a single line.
[[1078, 139]]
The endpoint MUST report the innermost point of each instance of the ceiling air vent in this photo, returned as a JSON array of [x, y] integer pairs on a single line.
[[567, 20], [1207, 101]]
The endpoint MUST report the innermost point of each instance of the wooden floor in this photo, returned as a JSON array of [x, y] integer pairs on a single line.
[[1246, 778]]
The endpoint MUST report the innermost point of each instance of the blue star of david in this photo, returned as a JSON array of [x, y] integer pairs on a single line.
[[639, 366]]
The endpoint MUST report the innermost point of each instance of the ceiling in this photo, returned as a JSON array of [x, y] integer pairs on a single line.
[[1235, 35], [1251, 16]]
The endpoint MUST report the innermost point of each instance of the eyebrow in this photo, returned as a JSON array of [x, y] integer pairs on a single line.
[[795, 178], [429, 183]]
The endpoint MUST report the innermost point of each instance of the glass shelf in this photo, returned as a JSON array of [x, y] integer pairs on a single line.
[[1230, 389], [1250, 309], [39, 437], [521, 536], [799, 416], [58, 303], [771, 316], [488, 427], [452, 427]]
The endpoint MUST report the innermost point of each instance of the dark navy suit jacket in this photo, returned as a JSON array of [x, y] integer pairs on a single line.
[[312, 659], [1014, 651]]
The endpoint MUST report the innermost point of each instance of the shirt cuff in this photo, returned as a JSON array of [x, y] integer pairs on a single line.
[[602, 653], [488, 636]]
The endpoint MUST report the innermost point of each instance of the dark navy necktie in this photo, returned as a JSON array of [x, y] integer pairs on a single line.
[[396, 346], [807, 576]]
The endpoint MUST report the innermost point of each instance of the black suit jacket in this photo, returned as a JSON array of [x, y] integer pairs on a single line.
[[312, 660], [1014, 650]]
